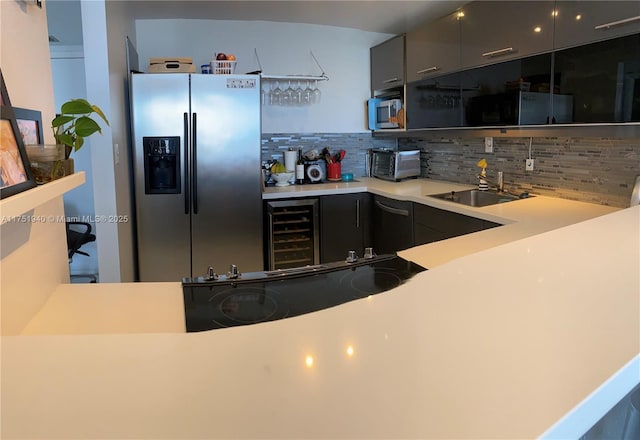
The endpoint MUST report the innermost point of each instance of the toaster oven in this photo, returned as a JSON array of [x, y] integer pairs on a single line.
[[395, 165]]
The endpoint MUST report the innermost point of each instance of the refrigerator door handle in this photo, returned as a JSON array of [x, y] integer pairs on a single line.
[[187, 174], [194, 162]]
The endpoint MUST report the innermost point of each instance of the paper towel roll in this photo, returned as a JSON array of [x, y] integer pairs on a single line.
[[290, 159]]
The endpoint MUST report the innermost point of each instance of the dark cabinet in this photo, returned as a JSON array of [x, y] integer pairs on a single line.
[[433, 224], [387, 64], [435, 102], [392, 225], [514, 92], [525, 63], [602, 79], [497, 31], [433, 49], [581, 22], [345, 225]]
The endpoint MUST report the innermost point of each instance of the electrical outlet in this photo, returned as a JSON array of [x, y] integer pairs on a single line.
[[528, 166], [488, 144]]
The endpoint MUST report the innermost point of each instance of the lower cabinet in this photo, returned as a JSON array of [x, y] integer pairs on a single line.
[[344, 225], [392, 225], [323, 230], [433, 224]]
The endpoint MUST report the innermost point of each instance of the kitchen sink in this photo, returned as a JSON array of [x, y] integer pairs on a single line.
[[477, 198]]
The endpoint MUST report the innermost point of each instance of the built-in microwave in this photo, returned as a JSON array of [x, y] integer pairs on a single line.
[[385, 113]]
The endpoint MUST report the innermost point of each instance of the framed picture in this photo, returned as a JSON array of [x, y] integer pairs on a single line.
[[30, 125], [15, 173], [4, 96]]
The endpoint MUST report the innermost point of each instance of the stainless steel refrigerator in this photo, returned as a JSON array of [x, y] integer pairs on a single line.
[[197, 177]]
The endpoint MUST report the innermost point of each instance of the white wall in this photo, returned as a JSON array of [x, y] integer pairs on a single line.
[[105, 25], [68, 83], [34, 255], [119, 26], [24, 59], [97, 80], [283, 49]]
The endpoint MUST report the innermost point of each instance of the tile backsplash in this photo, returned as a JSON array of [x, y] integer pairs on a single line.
[[594, 170], [355, 144]]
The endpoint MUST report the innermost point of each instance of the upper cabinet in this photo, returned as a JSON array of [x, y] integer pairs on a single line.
[[521, 63], [433, 49], [496, 31], [581, 22], [602, 80], [387, 64]]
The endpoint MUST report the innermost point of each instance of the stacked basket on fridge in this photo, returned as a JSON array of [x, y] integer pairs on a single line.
[[224, 64]]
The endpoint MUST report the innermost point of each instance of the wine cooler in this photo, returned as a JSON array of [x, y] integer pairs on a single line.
[[293, 233]]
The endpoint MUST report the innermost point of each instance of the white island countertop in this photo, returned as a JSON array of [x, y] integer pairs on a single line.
[[494, 343]]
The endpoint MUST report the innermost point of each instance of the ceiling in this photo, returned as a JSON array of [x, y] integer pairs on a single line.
[[393, 17]]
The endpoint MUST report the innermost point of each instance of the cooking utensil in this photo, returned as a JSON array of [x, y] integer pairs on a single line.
[[326, 154]]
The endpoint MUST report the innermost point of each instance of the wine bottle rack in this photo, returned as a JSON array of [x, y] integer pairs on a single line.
[[293, 233]]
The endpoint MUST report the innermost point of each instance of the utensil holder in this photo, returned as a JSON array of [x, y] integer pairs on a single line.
[[334, 171]]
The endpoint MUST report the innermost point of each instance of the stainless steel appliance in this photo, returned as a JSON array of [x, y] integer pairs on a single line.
[[385, 113], [395, 165], [224, 301], [198, 189], [392, 224]]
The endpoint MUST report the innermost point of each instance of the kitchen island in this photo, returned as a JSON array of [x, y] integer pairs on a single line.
[[500, 338]]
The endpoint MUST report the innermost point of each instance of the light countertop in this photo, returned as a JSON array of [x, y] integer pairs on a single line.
[[501, 338], [520, 218]]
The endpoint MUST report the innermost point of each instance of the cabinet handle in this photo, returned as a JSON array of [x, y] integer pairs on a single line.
[[272, 253], [499, 52], [357, 214], [427, 70], [606, 26], [391, 210], [391, 80]]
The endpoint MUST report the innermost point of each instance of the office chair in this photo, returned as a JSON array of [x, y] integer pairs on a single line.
[[75, 240]]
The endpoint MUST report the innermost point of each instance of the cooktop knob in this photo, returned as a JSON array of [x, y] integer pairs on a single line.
[[233, 272], [351, 257], [210, 275]]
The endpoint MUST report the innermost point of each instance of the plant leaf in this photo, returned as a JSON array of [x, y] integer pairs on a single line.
[[99, 112], [65, 139], [86, 127], [61, 120], [76, 107], [79, 142]]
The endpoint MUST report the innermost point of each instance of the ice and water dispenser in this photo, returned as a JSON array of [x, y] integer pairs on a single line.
[[161, 165]]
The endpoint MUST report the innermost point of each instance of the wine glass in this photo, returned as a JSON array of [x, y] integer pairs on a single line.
[[287, 95], [275, 94], [307, 96], [316, 92], [298, 94], [265, 96]]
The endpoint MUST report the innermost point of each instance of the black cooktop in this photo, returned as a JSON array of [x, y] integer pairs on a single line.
[[267, 296]]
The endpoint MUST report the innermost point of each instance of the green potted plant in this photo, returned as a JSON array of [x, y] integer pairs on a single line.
[[70, 128], [74, 123]]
